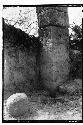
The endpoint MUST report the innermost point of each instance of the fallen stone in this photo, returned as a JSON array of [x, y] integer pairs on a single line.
[[72, 87], [17, 105]]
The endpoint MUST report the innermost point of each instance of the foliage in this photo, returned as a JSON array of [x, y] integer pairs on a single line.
[[76, 38], [75, 45]]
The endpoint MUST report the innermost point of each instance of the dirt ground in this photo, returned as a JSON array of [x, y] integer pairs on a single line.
[[67, 106]]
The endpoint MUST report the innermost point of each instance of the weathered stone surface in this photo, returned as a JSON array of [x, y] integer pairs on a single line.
[[20, 62], [17, 105], [21, 65], [52, 16], [73, 87], [41, 9], [57, 34], [19, 71], [54, 35], [54, 66]]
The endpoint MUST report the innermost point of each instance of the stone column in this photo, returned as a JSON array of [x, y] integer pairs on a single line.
[[54, 36]]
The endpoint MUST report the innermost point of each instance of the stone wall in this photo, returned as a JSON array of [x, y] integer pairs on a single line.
[[20, 61], [32, 63]]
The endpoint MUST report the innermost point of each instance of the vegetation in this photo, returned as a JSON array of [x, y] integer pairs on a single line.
[[75, 45]]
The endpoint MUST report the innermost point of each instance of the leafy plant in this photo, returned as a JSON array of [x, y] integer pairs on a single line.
[[75, 45]]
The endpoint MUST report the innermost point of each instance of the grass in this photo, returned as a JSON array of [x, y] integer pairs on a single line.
[[67, 106]]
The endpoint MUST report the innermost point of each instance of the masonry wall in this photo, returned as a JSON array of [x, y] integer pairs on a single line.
[[20, 61]]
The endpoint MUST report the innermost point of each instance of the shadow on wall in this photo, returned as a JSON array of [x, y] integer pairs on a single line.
[[20, 61]]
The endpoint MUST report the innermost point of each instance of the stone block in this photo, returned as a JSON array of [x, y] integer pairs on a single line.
[[51, 17], [41, 9], [18, 105]]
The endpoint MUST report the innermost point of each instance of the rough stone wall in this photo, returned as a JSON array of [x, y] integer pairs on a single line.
[[20, 61], [54, 36]]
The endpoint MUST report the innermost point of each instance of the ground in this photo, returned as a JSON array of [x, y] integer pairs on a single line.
[[67, 106]]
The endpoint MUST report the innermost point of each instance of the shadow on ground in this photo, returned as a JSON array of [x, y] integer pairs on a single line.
[[67, 105]]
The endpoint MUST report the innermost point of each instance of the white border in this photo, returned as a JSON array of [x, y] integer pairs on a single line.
[[26, 2], [35, 2]]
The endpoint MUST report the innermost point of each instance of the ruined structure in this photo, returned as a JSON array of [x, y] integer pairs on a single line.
[[31, 63], [21, 60], [54, 36]]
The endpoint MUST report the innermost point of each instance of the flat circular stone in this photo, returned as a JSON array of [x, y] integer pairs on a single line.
[[17, 104]]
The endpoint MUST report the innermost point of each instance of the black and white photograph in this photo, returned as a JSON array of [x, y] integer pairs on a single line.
[[42, 63]]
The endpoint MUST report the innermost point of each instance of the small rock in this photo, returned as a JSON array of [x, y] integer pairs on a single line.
[[17, 104]]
